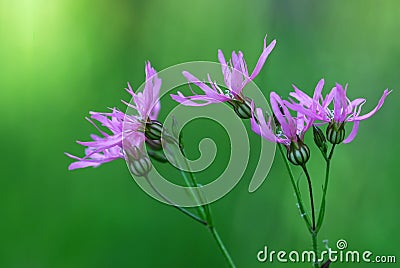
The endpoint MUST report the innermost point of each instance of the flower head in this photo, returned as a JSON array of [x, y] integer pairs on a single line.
[[291, 129], [124, 131], [236, 77], [343, 111]]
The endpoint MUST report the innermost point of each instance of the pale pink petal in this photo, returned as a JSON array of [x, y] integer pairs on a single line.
[[263, 58], [380, 103], [353, 132]]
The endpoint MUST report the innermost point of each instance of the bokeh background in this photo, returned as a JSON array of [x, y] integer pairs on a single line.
[[61, 59]]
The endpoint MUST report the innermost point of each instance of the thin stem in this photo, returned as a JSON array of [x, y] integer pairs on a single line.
[[166, 199], [331, 153], [189, 182], [222, 247], [323, 201], [206, 210], [315, 249], [314, 232], [296, 190], [310, 190]]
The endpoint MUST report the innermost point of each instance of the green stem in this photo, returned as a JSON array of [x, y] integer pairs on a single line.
[[222, 247], [296, 190], [310, 190], [189, 182], [314, 232], [311, 227], [166, 199], [206, 210], [315, 249], [323, 201]]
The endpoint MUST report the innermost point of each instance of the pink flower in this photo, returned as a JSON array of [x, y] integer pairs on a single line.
[[236, 77], [124, 131], [343, 111], [291, 129]]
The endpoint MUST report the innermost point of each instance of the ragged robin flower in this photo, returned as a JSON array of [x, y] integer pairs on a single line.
[[124, 131], [289, 131], [344, 110], [236, 77]]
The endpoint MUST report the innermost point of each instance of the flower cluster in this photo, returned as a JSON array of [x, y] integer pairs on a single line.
[[310, 111], [131, 132]]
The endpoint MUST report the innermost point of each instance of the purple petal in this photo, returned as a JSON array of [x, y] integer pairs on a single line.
[[262, 129], [189, 100], [353, 132], [210, 93], [302, 97], [380, 103], [82, 164], [221, 58], [263, 58], [285, 119], [318, 91]]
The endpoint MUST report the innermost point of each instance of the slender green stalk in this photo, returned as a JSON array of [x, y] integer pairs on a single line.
[[209, 218], [296, 190], [323, 201], [204, 209], [310, 190], [166, 199], [188, 182], [314, 232], [315, 249], [222, 247]]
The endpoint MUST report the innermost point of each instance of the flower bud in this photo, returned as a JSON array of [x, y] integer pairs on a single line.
[[154, 144], [175, 127], [140, 167], [241, 108], [139, 164], [158, 155], [298, 153], [319, 139], [335, 132], [153, 130]]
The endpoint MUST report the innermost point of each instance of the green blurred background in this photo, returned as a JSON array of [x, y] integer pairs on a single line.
[[61, 59]]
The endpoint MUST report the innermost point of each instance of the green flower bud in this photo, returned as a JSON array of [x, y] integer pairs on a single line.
[[241, 108], [319, 139], [298, 153], [175, 127], [158, 155], [139, 164], [153, 130], [140, 167], [335, 132], [154, 144]]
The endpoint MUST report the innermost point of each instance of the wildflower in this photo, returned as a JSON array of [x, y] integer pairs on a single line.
[[290, 132], [343, 111], [236, 77], [124, 131]]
